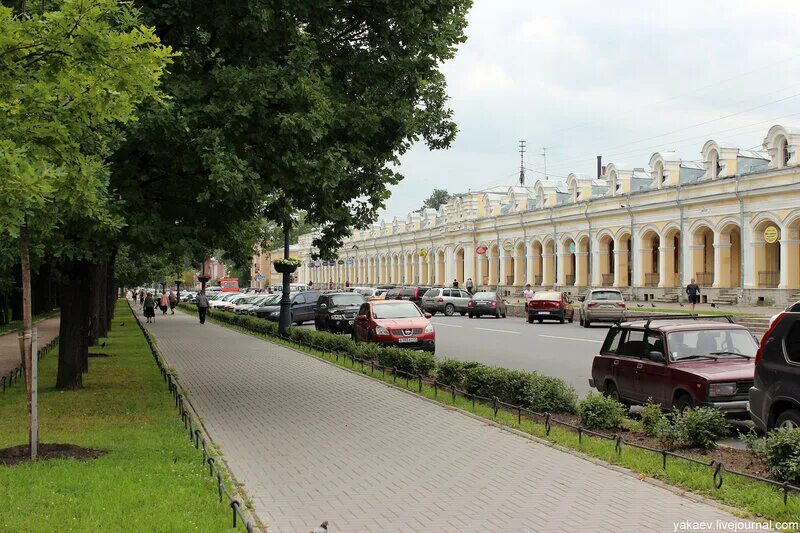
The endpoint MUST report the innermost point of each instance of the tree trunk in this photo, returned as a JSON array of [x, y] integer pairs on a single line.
[[111, 291], [27, 339], [96, 295], [73, 344]]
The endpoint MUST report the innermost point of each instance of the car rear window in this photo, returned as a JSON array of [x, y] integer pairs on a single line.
[[484, 296], [606, 295], [547, 296], [408, 292], [611, 344], [346, 299], [793, 343], [396, 310]]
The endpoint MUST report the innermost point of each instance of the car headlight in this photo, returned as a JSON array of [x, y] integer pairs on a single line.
[[380, 330], [429, 328], [275, 313], [337, 317], [722, 389]]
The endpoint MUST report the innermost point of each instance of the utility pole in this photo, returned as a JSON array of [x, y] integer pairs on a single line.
[[522, 163], [544, 155]]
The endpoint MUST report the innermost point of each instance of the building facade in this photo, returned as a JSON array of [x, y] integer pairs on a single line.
[[730, 221], [262, 275]]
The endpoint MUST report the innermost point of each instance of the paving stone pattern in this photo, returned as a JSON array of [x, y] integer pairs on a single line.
[[312, 442]]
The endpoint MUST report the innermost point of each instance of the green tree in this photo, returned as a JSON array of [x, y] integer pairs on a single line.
[[69, 77], [438, 198]]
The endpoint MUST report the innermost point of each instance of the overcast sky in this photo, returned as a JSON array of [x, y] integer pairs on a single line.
[[618, 79]]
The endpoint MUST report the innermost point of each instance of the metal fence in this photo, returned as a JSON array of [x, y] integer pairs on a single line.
[[193, 430], [16, 373], [416, 381]]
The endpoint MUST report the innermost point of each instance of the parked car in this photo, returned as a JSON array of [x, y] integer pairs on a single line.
[[394, 323], [413, 294], [249, 305], [303, 304], [775, 395], [370, 293], [447, 301], [337, 311], [601, 305], [550, 305], [486, 303], [679, 363], [392, 294], [222, 299]]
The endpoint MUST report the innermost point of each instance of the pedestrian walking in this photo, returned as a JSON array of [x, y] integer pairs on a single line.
[[149, 306], [202, 306], [455, 283], [693, 291], [470, 286], [347, 284], [163, 302], [141, 299], [173, 301], [330, 284], [310, 284], [528, 292]]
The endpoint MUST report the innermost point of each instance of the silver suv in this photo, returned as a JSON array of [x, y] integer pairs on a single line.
[[601, 305], [447, 301]]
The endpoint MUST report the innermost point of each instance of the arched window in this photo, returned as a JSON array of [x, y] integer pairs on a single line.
[[783, 156], [658, 174], [573, 190], [714, 167]]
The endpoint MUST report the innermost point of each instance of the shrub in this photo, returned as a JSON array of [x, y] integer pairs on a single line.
[[528, 389], [701, 427], [668, 434], [651, 416], [601, 412], [781, 454], [452, 371], [486, 381], [544, 393], [407, 360]]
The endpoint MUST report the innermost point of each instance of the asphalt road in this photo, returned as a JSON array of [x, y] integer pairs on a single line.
[[559, 350]]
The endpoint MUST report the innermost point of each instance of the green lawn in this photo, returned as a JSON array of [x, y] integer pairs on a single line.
[[752, 498], [152, 478]]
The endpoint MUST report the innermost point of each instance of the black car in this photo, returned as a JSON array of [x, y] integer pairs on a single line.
[[775, 394], [486, 303], [336, 311], [303, 304], [413, 294]]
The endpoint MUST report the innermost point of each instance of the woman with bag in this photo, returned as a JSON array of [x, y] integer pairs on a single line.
[[149, 305]]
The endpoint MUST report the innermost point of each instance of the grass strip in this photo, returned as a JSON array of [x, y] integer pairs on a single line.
[[750, 497], [152, 478]]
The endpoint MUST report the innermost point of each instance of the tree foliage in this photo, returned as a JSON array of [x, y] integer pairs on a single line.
[[438, 198]]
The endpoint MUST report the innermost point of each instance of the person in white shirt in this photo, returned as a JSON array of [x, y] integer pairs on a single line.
[[528, 292]]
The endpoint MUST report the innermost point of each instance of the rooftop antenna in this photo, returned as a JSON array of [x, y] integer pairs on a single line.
[[522, 163], [544, 155]]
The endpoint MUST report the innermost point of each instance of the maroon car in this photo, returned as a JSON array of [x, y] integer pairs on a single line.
[[549, 305], [394, 323], [679, 363]]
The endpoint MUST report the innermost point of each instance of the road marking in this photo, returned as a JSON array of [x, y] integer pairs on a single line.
[[448, 325], [569, 338], [500, 330]]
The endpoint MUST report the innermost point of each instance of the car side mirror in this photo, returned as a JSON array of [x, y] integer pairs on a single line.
[[323, 306], [427, 315], [656, 356]]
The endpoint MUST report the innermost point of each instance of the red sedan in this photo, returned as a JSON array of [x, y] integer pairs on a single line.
[[394, 323]]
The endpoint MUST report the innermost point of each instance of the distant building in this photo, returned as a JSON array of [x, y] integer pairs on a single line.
[[262, 266], [731, 221]]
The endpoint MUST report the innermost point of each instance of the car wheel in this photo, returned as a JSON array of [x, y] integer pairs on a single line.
[[497, 314], [433, 313], [683, 402], [561, 320], [788, 419], [613, 392], [530, 320], [541, 320], [449, 309]]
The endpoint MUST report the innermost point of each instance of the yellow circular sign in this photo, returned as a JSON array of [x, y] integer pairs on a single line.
[[423, 253], [771, 234]]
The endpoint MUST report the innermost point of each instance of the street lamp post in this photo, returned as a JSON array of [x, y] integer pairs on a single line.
[[355, 247]]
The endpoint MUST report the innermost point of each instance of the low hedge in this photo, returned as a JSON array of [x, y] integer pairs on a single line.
[[527, 389]]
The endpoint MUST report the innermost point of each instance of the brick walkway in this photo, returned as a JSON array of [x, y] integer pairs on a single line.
[[311, 442], [47, 330]]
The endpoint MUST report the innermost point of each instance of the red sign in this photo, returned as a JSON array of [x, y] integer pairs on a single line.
[[480, 250]]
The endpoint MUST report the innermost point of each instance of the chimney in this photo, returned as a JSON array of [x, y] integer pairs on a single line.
[[599, 166]]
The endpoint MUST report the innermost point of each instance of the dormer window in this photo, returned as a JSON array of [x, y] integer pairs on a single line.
[[659, 176], [714, 166]]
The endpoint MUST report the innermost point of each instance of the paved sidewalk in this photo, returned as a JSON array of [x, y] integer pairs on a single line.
[[47, 330], [311, 442]]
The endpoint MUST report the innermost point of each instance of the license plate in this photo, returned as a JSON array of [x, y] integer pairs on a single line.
[[407, 339], [350, 322], [544, 312]]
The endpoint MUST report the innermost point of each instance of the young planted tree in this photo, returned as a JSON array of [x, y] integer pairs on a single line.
[[69, 76]]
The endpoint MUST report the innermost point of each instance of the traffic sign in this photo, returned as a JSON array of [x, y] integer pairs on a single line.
[[423, 253], [349, 261], [260, 277], [771, 234]]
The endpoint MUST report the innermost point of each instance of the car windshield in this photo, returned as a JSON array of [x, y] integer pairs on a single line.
[[711, 342], [398, 310], [484, 296], [606, 295], [547, 296], [347, 299]]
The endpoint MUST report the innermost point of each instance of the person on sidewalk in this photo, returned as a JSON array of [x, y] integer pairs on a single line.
[[149, 306], [693, 291], [528, 292], [455, 283], [141, 299], [163, 302], [202, 306], [470, 285], [173, 301]]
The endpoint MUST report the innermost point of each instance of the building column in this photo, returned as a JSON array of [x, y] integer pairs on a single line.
[[449, 265], [420, 276], [621, 270], [788, 267], [722, 263], [469, 264], [519, 273], [748, 258], [666, 257], [501, 274], [529, 264], [479, 273], [563, 257], [581, 269], [600, 258], [547, 269]]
